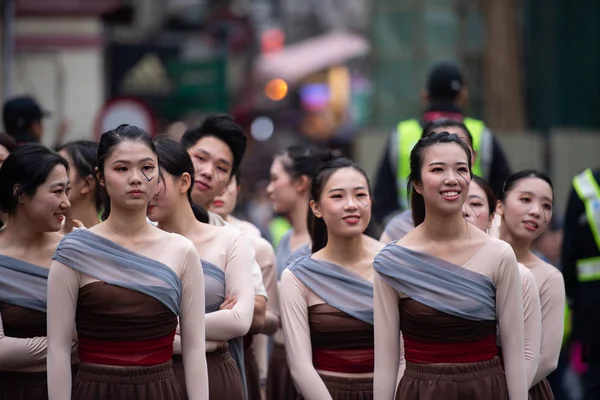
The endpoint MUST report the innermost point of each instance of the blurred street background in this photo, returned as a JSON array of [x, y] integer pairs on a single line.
[[340, 73]]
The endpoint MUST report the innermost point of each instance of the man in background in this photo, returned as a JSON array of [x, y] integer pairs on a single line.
[[22, 117], [445, 96]]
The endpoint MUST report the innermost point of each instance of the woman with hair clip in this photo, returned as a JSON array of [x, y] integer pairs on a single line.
[[479, 210], [525, 209], [327, 298], [34, 188], [225, 256], [289, 188], [122, 285], [85, 197], [442, 290], [403, 223], [256, 343]]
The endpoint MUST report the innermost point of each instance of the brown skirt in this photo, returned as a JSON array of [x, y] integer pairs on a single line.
[[23, 385], [348, 388], [224, 379], [97, 382], [280, 385], [252, 375], [473, 381], [541, 391]]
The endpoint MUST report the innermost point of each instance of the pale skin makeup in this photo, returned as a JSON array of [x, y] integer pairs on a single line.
[[476, 208], [213, 161], [526, 213], [455, 130]]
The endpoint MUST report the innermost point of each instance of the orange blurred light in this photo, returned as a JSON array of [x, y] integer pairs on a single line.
[[276, 89]]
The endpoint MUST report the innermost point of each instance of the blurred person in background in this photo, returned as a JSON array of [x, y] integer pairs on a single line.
[[22, 117], [445, 96], [23, 121], [581, 270], [7, 146], [255, 345], [86, 199]]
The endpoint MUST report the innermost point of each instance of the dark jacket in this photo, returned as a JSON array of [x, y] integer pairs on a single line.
[[583, 297]]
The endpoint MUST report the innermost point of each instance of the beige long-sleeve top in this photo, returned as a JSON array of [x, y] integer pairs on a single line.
[[227, 249], [532, 322], [257, 279], [265, 258], [64, 283], [551, 288], [296, 298], [495, 260]]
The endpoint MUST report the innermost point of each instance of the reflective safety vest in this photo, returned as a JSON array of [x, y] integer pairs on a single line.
[[587, 189], [277, 228], [409, 132]]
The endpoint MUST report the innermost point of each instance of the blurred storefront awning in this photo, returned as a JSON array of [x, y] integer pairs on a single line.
[[299, 60]]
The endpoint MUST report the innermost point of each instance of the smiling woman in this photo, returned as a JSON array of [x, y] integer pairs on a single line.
[[33, 192], [526, 210], [441, 291], [326, 296]]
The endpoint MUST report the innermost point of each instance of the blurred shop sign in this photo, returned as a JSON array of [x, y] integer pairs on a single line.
[[168, 84]]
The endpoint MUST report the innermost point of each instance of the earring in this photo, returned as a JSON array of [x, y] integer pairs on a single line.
[[20, 200]]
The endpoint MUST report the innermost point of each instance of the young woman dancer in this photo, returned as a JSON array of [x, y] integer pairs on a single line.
[[289, 189], [403, 223], [526, 210], [327, 298], [85, 196], [122, 284], [34, 194], [225, 259], [255, 343], [441, 290], [479, 210]]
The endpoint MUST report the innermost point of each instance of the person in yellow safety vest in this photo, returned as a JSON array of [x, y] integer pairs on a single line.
[[581, 272], [446, 94]]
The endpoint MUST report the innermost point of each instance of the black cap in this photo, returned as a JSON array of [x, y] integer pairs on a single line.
[[445, 81], [19, 112]]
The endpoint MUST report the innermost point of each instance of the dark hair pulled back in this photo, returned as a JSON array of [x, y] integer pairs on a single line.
[[512, 181], [175, 160], [83, 154], [24, 171]]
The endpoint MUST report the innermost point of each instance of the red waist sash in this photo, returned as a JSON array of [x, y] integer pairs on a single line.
[[135, 353], [458, 352], [344, 361]]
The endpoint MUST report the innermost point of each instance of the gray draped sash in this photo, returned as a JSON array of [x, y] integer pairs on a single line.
[[284, 256], [23, 284], [214, 282], [436, 283], [400, 225], [114, 264], [337, 286]]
